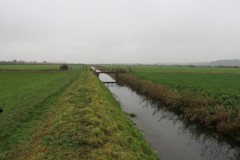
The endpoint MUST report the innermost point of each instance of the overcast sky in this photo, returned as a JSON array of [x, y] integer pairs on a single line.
[[119, 31]]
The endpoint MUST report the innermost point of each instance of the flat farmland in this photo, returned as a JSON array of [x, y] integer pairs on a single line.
[[222, 83], [29, 67], [25, 97]]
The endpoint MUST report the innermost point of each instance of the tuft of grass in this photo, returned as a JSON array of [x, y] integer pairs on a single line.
[[86, 122]]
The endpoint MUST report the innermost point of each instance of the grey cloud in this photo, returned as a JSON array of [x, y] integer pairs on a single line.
[[125, 31]]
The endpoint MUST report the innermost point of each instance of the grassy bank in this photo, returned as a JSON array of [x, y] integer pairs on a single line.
[[83, 122], [209, 96]]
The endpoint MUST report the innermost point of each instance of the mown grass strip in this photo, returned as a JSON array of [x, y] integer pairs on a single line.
[[86, 123]]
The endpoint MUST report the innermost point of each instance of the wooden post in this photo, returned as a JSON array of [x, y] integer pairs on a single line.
[[116, 76]]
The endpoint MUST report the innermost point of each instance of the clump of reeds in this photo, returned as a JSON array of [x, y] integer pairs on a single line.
[[132, 115]]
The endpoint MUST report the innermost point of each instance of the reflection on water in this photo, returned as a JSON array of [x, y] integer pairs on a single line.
[[105, 78], [170, 136]]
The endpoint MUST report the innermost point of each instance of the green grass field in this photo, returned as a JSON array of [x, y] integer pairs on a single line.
[[25, 98], [30, 67], [64, 115], [222, 83], [35, 67]]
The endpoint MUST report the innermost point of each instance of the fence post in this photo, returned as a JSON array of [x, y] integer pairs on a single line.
[[116, 76]]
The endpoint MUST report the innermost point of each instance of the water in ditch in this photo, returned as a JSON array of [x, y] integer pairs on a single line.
[[170, 136]]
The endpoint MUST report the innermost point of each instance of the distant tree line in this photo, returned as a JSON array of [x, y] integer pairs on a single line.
[[22, 62]]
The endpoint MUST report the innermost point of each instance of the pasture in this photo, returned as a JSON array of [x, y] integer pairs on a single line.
[[25, 98], [30, 67], [222, 83]]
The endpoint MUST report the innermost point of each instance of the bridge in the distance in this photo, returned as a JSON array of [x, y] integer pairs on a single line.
[[98, 72]]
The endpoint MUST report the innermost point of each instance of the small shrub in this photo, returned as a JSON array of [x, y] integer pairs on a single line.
[[64, 67]]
